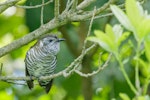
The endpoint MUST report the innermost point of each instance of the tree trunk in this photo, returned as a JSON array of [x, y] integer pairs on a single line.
[[87, 82]]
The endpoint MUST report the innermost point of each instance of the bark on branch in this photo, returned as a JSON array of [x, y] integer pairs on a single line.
[[66, 72], [54, 23], [7, 4]]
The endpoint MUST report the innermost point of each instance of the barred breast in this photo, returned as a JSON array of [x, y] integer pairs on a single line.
[[40, 63]]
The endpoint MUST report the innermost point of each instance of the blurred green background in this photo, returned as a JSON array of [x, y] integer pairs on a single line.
[[106, 85]]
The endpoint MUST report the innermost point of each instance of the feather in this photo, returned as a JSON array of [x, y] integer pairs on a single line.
[[46, 86], [29, 82], [41, 60]]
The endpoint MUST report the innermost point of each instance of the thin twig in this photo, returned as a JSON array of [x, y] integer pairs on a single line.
[[16, 83], [74, 5], [66, 74], [56, 8], [137, 79], [90, 13], [84, 4], [78, 59], [42, 13], [19, 83], [94, 72], [84, 51], [89, 31], [68, 6], [63, 72], [36, 6], [102, 16], [7, 4], [132, 87], [63, 19]]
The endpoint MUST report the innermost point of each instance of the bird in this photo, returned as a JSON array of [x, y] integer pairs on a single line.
[[41, 60]]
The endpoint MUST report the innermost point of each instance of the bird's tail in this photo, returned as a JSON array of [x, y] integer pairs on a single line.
[[30, 84], [46, 84]]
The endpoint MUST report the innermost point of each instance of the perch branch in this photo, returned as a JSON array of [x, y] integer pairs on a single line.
[[63, 72], [90, 13], [94, 72], [54, 23], [84, 4], [35, 6], [13, 79], [7, 4], [31, 36]]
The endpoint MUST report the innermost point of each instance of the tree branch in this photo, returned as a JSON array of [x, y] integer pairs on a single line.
[[35, 6], [94, 72], [31, 36], [64, 72], [56, 10], [7, 4], [84, 4], [54, 23], [90, 13], [74, 5]]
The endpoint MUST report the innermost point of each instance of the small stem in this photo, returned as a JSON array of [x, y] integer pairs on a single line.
[[34, 6], [56, 8], [42, 12], [125, 75], [137, 80], [89, 30], [7, 4], [74, 5]]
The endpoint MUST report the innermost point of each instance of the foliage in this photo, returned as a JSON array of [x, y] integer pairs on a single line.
[[128, 42], [137, 23]]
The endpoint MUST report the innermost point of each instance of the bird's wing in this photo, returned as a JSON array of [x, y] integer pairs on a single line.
[[49, 64], [29, 82]]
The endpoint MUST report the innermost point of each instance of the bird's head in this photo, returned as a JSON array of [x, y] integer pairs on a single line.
[[50, 43]]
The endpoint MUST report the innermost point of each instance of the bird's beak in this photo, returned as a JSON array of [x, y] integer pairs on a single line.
[[61, 39]]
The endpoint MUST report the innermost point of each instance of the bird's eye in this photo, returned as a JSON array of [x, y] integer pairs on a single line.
[[50, 40]]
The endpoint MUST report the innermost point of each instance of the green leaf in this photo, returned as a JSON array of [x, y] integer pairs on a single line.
[[134, 12], [44, 97], [122, 17], [117, 29], [140, 8], [109, 32], [144, 28], [124, 96], [143, 97], [98, 33], [123, 37], [144, 68], [139, 19], [104, 41], [103, 44], [6, 96]]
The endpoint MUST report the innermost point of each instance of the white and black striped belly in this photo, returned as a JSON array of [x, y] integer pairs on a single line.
[[40, 63]]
